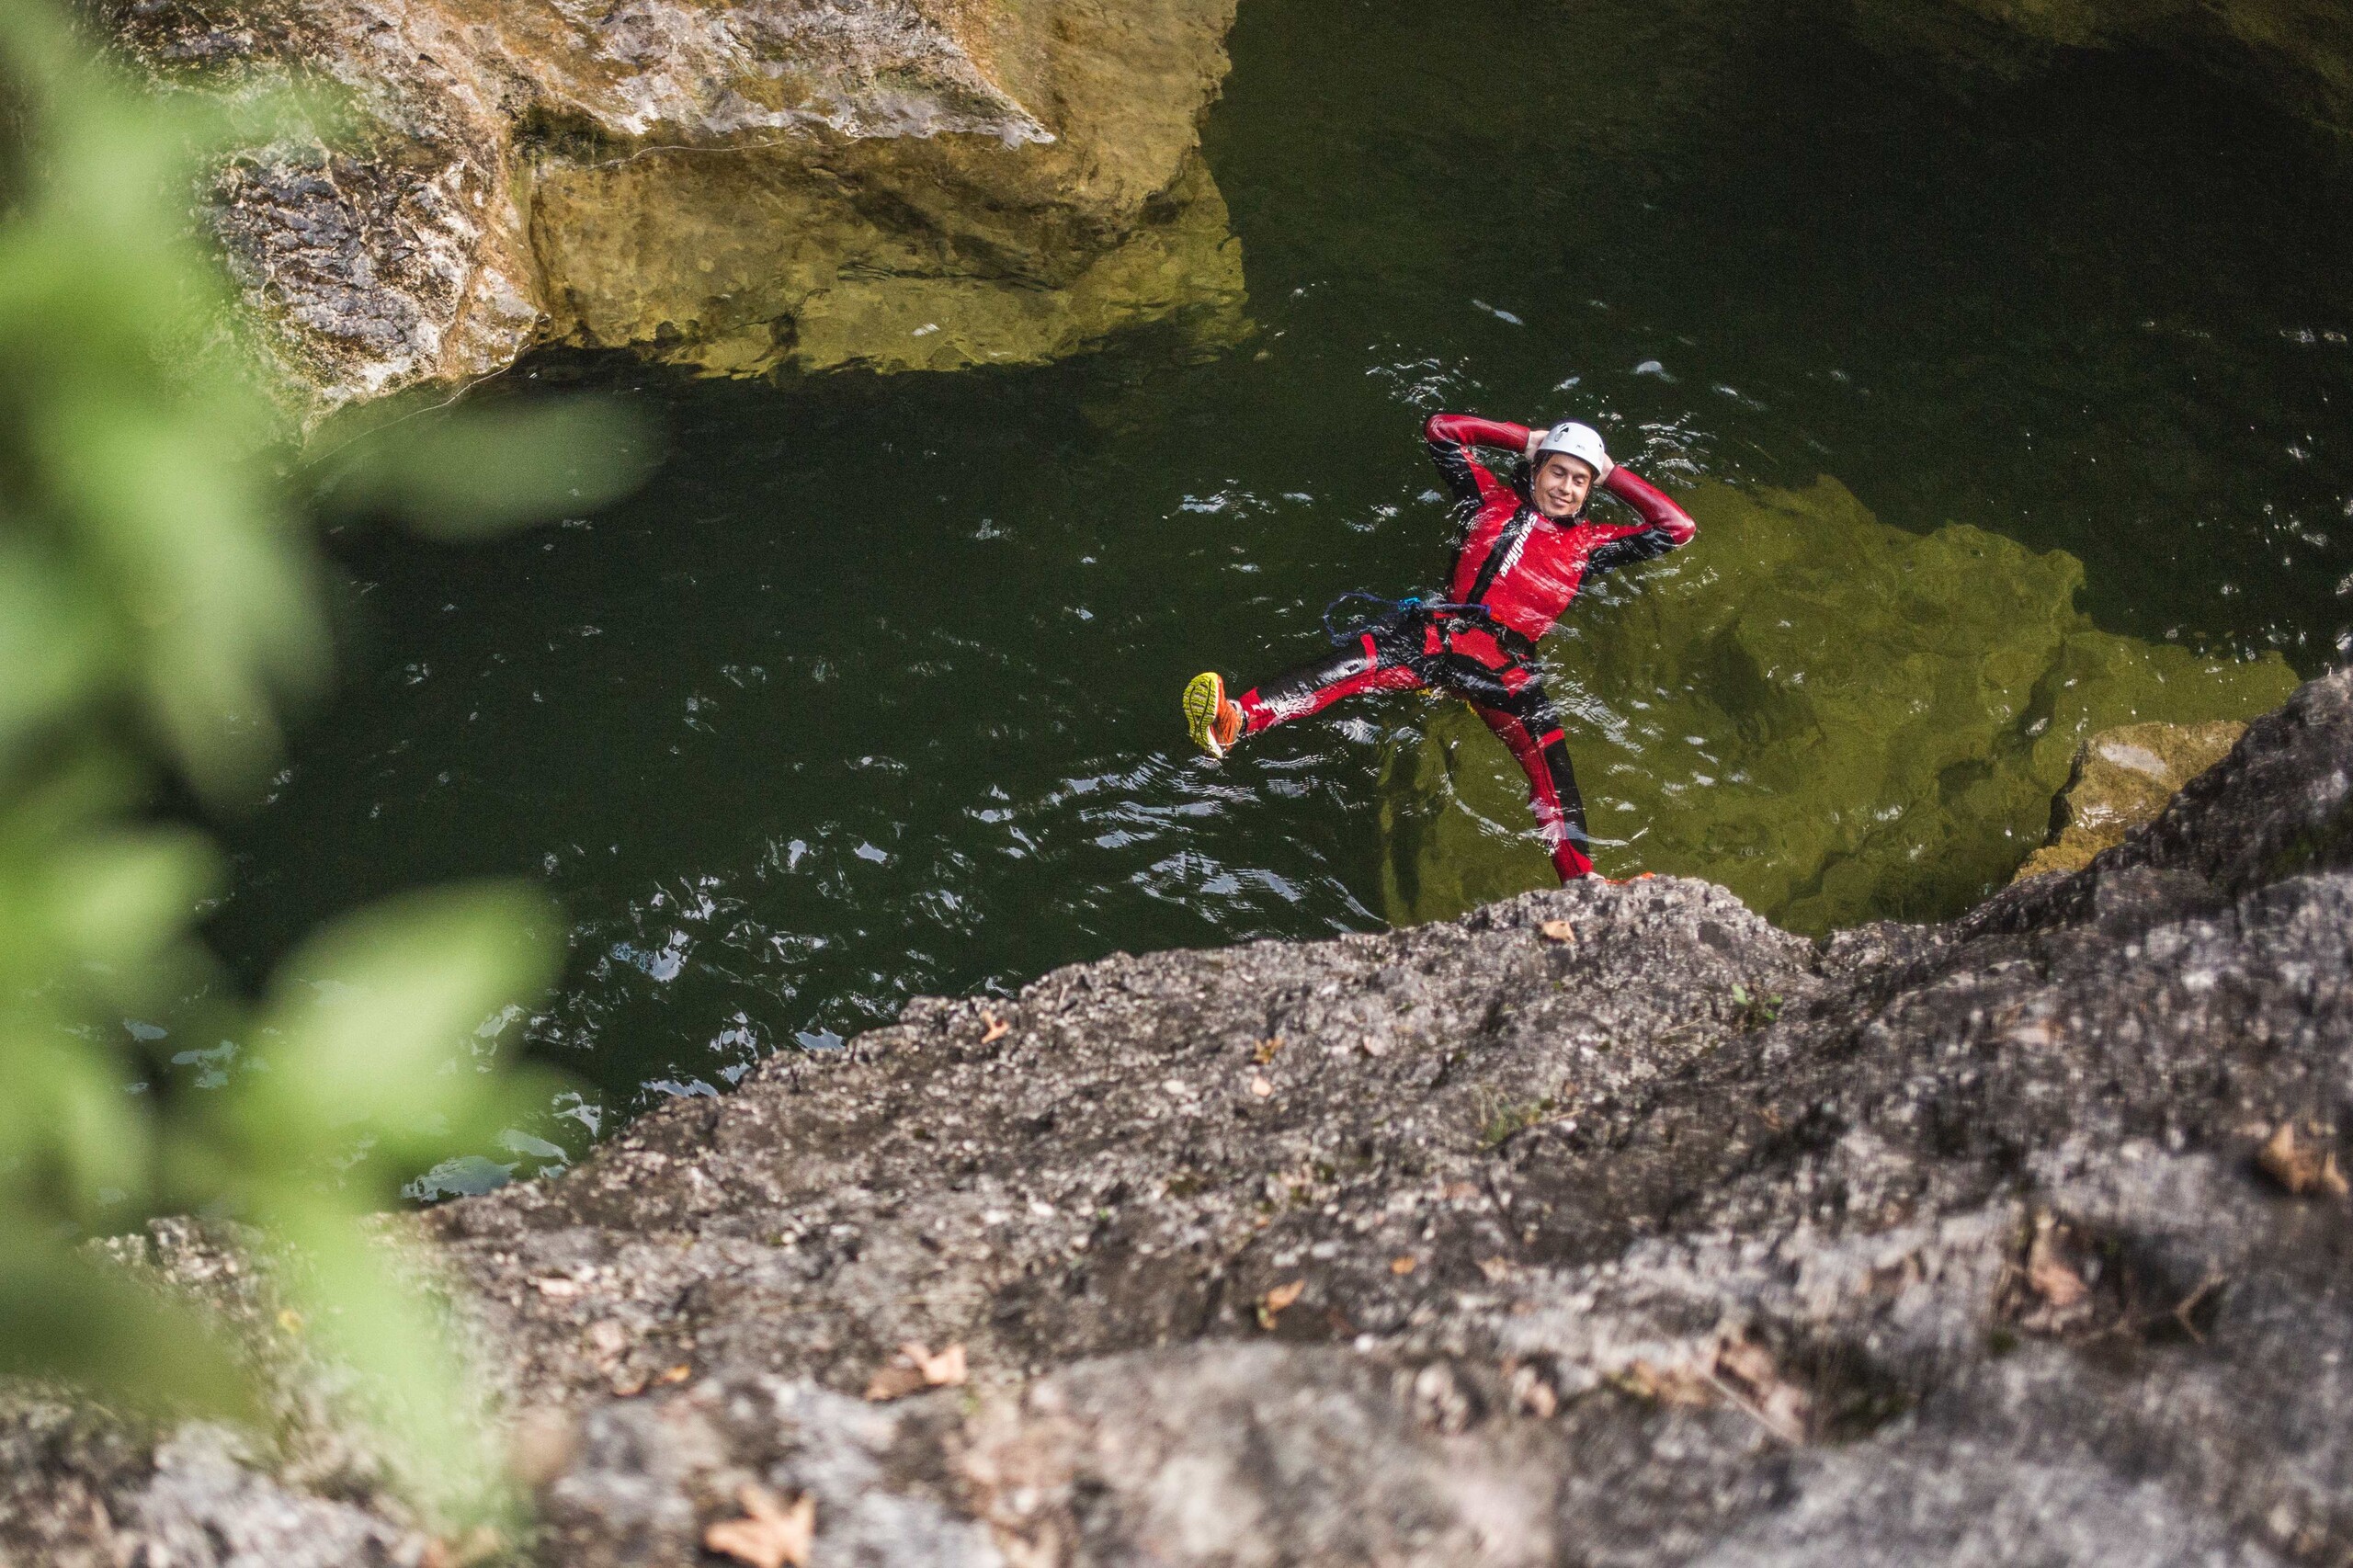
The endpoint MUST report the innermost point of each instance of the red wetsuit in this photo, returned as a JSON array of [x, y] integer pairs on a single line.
[[1515, 572]]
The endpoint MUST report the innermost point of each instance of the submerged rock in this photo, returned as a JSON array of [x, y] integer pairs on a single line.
[[1834, 719], [2123, 778], [1607, 1225], [734, 185]]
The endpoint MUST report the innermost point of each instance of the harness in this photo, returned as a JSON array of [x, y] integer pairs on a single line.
[[1449, 616]]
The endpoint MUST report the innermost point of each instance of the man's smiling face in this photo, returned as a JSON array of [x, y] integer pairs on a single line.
[[1560, 485]]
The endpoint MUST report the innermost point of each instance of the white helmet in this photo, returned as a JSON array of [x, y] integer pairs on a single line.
[[1581, 442]]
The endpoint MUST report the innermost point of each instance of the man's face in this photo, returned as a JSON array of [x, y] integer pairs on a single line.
[[1560, 485]]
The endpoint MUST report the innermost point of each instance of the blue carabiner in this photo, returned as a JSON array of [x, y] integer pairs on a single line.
[[1395, 609]]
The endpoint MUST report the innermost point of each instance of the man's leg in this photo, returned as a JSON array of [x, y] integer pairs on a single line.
[[1365, 665], [1526, 722], [1380, 660]]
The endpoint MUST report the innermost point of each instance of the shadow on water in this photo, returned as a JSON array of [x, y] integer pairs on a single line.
[[873, 690]]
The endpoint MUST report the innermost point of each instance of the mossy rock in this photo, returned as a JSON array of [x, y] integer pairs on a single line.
[[2121, 778], [738, 265], [1836, 718]]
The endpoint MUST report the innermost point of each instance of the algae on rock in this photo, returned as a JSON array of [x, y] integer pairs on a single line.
[[2121, 779], [1836, 718], [740, 264]]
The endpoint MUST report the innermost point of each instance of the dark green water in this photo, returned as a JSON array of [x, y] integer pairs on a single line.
[[873, 690]]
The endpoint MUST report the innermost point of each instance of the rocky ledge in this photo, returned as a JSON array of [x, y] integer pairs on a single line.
[[1609, 1225], [731, 184]]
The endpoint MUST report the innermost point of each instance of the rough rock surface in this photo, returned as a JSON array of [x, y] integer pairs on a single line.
[[730, 183], [1659, 1235], [2121, 778]]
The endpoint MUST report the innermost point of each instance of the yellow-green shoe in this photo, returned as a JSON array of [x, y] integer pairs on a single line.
[[1213, 722]]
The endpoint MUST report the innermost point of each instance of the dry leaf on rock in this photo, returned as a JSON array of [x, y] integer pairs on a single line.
[[915, 1369], [1754, 1379], [479, 1545], [1558, 931], [946, 1370], [2050, 1276], [998, 1029], [1666, 1385], [2299, 1167], [1276, 1300], [1531, 1395], [773, 1534], [2049, 1294], [1746, 1361], [1401, 1265], [893, 1380], [1264, 1051]]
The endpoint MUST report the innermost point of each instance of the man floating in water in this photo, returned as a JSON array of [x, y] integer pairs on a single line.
[[1523, 557]]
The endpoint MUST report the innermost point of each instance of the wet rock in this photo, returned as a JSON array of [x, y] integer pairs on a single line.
[[1685, 1240], [731, 184], [2121, 778], [1834, 719]]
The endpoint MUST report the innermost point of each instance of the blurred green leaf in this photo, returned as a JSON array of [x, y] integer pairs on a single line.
[[53, 649], [159, 606], [73, 1126], [62, 1316], [123, 898], [375, 1017], [499, 467], [391, 1333]]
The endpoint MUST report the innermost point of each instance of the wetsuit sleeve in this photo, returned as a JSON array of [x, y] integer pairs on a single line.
[[1452, 435], [1665, 525]]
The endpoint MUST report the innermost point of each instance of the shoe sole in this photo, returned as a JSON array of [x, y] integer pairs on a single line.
[[1204, 697]]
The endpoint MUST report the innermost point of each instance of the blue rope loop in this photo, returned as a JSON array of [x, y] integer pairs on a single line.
[[1392, 611]]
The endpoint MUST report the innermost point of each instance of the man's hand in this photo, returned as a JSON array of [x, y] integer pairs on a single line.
[[1535, 437]]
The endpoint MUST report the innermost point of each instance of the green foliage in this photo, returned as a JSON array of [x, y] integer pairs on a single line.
[[158, 608], [1754, 1011], [1501, 1121]]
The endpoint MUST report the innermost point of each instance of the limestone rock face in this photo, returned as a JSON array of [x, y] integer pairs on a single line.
[[2121, 778], [1836, 718], [1610, 1224], [734, 185]]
